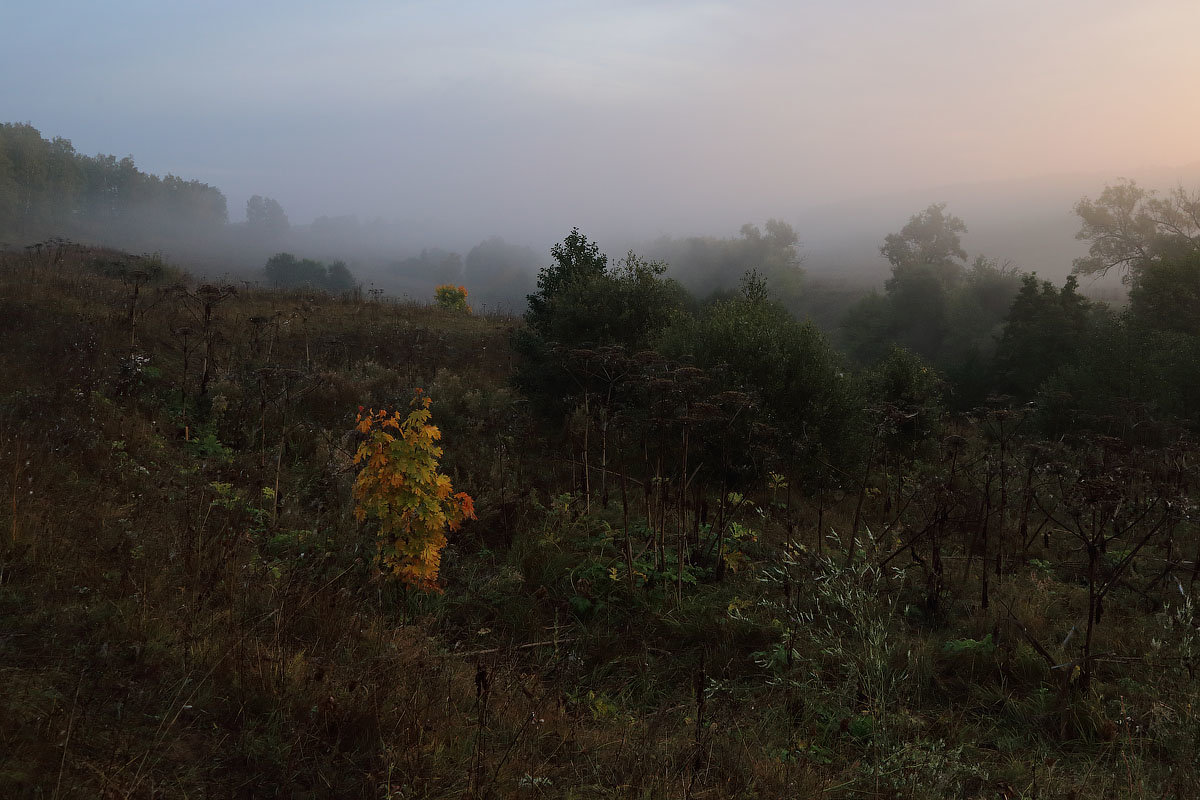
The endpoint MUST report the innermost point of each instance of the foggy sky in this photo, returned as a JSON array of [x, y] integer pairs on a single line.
[[625, 118]]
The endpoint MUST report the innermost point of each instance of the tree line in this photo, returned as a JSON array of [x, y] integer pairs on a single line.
[[48, 188], [943, 336], [984, 418], [995, 331]]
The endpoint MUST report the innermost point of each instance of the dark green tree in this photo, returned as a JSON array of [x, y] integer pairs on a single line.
[[1166, 295], [865, 330], [627, 304], [583, 303], [919, 301], [286, 271], [915, 312], [929, 241], [803, 385], [1125, 380], [339, 278], [1046, 327], [578, 264], [976, 314], [908, 392]]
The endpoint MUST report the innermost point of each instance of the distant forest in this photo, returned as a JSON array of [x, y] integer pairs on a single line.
[[985, 325], [49, 189]]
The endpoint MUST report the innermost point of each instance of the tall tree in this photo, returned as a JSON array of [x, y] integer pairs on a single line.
[[800, 378], [929, 240], [1131, 229], [575, 259], [1045, 329], [927, 267], [265, 217], [1167, 295], [581, 302]]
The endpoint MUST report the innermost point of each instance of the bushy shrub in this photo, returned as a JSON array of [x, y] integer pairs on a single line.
[[399, 486], [801, 380], [451, 298]]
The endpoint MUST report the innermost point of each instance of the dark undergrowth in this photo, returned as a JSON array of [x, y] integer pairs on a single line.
[[189, 609]]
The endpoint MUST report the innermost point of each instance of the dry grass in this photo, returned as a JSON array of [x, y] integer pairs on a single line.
[[188, 609]]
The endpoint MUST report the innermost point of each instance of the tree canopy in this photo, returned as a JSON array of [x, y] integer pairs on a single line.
[[286, 271], [1131, 229], [265, 217], [929, 240], [47, 188]]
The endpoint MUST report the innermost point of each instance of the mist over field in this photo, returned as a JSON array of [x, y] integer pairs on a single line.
[[389, 128]]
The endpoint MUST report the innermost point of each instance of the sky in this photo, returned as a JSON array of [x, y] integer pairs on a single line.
[[526, 118]]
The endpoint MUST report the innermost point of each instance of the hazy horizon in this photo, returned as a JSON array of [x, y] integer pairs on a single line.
[[630, 120]]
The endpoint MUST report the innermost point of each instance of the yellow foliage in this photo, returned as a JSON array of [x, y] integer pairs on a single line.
[[399, 486], [451, 298]]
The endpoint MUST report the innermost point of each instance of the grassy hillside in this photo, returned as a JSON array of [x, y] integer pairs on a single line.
[[188, 607]]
